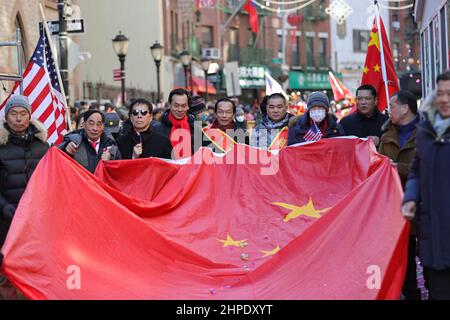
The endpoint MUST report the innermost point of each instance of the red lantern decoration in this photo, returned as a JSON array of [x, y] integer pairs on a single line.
[[295, 19]]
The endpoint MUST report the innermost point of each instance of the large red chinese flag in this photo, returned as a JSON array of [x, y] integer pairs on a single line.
[[310, 226], [373, 72], [250, 7]]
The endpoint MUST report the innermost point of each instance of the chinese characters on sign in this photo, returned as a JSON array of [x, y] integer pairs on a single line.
[[252, 76]]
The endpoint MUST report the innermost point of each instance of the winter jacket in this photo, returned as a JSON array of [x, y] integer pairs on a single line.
[[86, 155], [265, 132], [154, 144], [361, 126], [297, 133], [390, 147], [164, 127], [19, 157], [429, 185]]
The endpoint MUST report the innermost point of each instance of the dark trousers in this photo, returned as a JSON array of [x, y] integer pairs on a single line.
[[438, 283], [410, 290]]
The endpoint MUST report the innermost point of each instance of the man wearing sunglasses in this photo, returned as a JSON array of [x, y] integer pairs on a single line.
[[142, 141]]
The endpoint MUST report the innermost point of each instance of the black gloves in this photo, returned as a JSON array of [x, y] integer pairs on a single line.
[[8, 212]]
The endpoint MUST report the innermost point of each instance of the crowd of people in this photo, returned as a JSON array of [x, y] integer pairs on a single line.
[[417, 144]]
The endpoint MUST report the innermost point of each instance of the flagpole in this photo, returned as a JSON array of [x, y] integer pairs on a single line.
[[335, 82], [47, 32], [383, 62]]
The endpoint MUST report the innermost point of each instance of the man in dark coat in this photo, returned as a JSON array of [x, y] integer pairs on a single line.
[[23, 142], [177, 124], [319, 118], [273, 122], [368, 120], [223, 133], [427, 190], [90, 145], [143, 141], [398, 142]]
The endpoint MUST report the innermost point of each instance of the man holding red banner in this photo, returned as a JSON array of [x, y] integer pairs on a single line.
[[317, 123], [224, 133], [177, 123], [368, 120]]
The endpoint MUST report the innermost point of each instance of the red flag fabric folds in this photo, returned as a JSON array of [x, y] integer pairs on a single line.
[[319, 227], [373, 73], [250, 7]]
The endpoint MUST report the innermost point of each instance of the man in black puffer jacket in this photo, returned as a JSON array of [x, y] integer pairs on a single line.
[[22, 144]]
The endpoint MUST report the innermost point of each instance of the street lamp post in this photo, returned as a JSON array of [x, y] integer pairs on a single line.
[[157, 52], [120, 45], [186, 59], [205, 66], [63, 45]]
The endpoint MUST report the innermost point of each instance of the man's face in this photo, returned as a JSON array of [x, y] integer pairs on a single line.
[[397, 110], [225, 113], [94, 126], [179, 106], [443, 98], [366, 102], [141, 117], [18, 120], [276, 109]]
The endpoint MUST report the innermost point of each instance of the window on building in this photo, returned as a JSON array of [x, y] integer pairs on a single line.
[[323, 52], [443, 57], [207, 37], [437, 45], [309, 46], [18, 25], [233, 53], [361, 39], [280, 43], [296, 52], [396, 54]]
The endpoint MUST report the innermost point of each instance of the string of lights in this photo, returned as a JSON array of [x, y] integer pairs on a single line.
[[281, 5], [280, 10]]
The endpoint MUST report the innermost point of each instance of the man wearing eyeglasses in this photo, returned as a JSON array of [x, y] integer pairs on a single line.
[[143, 141], [368, 120], [177, 124]]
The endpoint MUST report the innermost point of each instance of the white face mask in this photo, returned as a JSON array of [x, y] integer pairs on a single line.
[[240, 118], [317, 115]]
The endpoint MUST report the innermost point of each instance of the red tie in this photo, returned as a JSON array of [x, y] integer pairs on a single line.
[[94, 145]]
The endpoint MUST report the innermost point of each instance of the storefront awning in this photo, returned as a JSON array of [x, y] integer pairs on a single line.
[[199, 86]]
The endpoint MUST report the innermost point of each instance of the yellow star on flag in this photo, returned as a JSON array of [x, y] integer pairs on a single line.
[[231, 242], [376, 68], [270, 252], [365, 70], [374, 41], [297, 211]]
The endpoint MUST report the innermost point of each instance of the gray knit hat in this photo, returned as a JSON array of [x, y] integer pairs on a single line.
[[316, 99], [17, 101]]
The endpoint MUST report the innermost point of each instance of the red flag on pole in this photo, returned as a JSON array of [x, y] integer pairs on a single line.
[[379, 68], [253, 15]]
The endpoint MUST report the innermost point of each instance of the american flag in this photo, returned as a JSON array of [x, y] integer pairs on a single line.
[[41, 86], [313, 134], [117, 74]]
